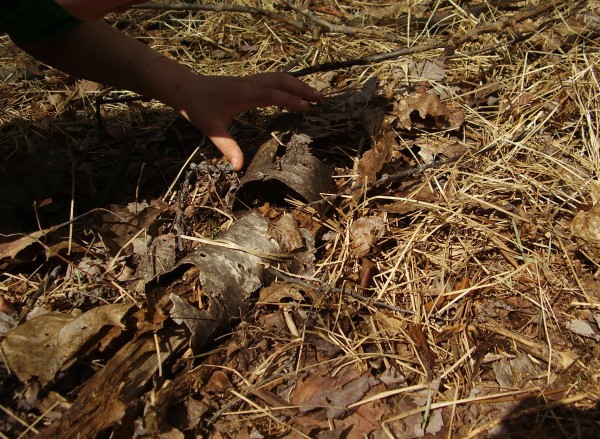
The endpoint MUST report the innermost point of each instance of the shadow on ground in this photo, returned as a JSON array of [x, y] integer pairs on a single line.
[[532, 420], [48, 162]]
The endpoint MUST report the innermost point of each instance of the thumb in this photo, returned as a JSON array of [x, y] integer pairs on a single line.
[[230, 149]]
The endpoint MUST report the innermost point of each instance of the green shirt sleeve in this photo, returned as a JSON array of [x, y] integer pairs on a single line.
[[34, 20]]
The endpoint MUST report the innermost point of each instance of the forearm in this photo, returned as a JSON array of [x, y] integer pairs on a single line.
[[96, 51]]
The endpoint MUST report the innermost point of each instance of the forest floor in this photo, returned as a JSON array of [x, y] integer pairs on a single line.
[[416, 256]]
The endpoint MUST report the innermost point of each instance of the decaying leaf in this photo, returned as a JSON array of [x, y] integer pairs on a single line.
[[345, 112], [586, 227], [46, 344], [120, 382], [334, 394], [323, 81], [120, 227], [6, 306], [380, 153], [410, 203], [287, 233], [7, 322], [510, 373], [430, 147], [434, 423], [364, 233], [423, 109], [583, 328], [27, 246], [561, 35], [156, 258], [278, 291]]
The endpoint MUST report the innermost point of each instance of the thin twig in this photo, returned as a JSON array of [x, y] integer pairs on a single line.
[[224, 8], [322, 24], [386, 179], [500, 27], [293, 280]]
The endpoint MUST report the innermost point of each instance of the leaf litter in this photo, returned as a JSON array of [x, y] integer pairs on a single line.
[[459, 301]]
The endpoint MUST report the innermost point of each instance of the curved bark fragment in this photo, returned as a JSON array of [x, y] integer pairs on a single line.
[[280, 170]]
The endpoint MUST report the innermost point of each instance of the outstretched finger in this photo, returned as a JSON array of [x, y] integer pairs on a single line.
[[229, 148], [271, 96], [286, 83]]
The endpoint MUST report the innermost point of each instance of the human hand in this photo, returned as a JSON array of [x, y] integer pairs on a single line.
[[211, 103], [98, 52]]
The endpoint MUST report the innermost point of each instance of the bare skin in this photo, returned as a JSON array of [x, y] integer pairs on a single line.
[[96, 51]]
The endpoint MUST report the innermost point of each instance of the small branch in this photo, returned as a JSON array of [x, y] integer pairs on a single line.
[[293, 280], [387, 179], [224, 8], [312, 23], [323, 24], [500, 27]]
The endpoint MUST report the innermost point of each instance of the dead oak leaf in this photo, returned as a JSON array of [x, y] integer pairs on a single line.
[[433, 146], [316, 392], [364, 233], [277, 292], [45, 344], [586, 227], [380, 153], [424, 109]]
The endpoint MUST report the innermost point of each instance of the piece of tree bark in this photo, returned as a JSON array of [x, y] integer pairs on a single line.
[[285, 169], [106, 399], [231, 269]]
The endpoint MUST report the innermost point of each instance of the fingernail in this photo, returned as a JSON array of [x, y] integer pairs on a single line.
[[234, 163]]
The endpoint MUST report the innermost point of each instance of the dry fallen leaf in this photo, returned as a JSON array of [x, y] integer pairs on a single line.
[[10, 250], [333, 394], [583, 328], [427, 70], [287, 233], [120, 227], [7, 322], [423, 109], [510, 373], [586, 227], [380, 153], [6, 306], [45, 344], [364, 233], [156, 258], [433, 146], [277, 291], [89, 86]]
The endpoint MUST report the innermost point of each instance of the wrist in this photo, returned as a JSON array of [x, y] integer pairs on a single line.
[[166, 80]]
